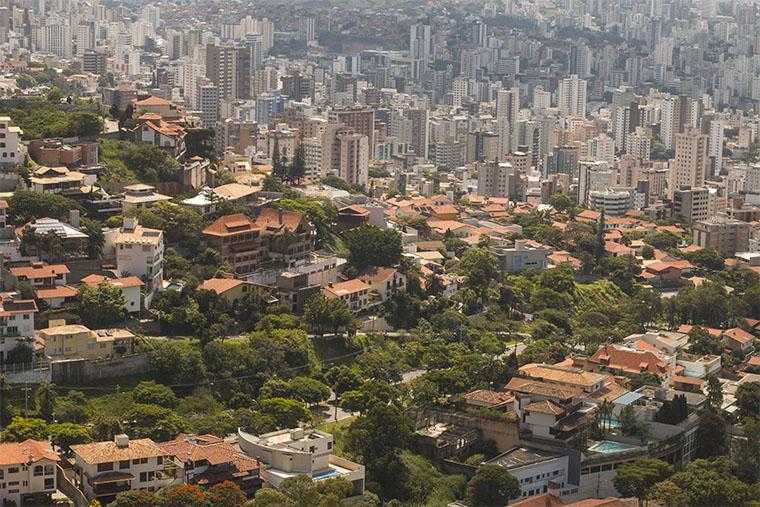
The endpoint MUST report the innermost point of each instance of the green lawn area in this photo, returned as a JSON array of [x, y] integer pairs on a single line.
[[595, 296], [339, 430]]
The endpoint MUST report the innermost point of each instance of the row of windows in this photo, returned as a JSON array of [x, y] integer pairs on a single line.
[[529, 480], [124, 464]]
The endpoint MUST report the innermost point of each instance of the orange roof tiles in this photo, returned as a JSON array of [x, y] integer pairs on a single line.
[[102, 452], [15, 453], [37, 271], [629, 360], [343, 288], [220, 285], [273, 219], [231, 224], [63, 291]]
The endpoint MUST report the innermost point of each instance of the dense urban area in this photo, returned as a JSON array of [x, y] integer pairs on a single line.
[[378, 253]]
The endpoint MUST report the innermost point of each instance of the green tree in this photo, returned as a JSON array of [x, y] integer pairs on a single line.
[[636, 479], [134, 498], [371, 246], [668, 494], [706, 258], [748, 399], [65, 435], [200, 143], [108, 300], [182, 495], [22, 428], [285, 412], [27, 205], [712, 434], [269, 497], [327, 314], [647, 252], [226, 494], [150, 392], [492, 485], [96, 240], [711, 483], [714, 393], [478, 265], [176, 363], [297, 167], [45, 400]]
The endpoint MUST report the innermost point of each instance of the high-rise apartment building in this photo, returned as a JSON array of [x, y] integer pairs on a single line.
[[361, 119], [689, 166], [572, 96]]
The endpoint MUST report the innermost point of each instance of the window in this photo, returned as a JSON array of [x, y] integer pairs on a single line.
[[49, 483], [124, 464], [13, 470], [49, 469], [105, 467], [160, 460], [38, 470]]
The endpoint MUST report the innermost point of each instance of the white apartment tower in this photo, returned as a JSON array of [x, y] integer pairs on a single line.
[[572, 96]]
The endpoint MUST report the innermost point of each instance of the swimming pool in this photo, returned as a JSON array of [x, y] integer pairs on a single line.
[[610, 447]]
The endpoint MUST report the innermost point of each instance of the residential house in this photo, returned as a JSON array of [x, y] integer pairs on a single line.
[[56, 297], [158, 107], [75, 341], [57, 180], [141, 195], [166, 135], [68, 242], [56, 153], [130, 287], [535, 469], [589, 382], [384, 282], [666, 273], [300, 451], [521, 257], [210, 460], [293, 290], [289, 235], [105, 469], [16, 323], [486, 398], [41, 275], [239, 242], [230, 289], [139, 251], [354, 292], [549, 410], [352, 216], [628, 362], [237, 193], [27, 472]]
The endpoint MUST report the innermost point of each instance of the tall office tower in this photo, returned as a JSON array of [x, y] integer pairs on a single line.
[[690, 163], [220, 69], [572, 96], [626, 116], [208, 103], [601, 148], [669, 121], [580, 60], [479, 34], [229, 67], [419, 43], [496, 179], [85, 38], [542, 99], [420, 131], [307, 28], [252, 41], [459, 90], [56, 38], [94, 61], [152, 14], [663, 51], [594, 176], [361, 119], [715, 150], [314, 157], [639, 144], [298, 87], [261, 26], [507, 111]]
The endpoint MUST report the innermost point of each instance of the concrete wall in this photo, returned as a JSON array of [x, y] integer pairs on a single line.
[[77, 371]]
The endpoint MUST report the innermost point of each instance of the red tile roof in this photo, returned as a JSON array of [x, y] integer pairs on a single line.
[[229, 225], [220, 285], [274, 219], [629, 360], [37, 271], [14, 453]]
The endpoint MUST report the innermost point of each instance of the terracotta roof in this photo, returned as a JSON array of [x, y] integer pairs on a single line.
[[220, 285], [14, 453], [230, 225], [562, 375], [122, 283], [233, 191], [545, 407], [102, 452], [63, 291], [37, 271], [686, 329], [152, 101], [488, 397], [738, 334], [211, 449], [548, 389], [542, 500], [377, 274], [629, 360], [354, 209], [754, 361], [617, 248], [687, 380], [275, 219], [343, 288]]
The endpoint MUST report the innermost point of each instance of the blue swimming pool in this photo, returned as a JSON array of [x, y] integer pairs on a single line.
[[610, 447]]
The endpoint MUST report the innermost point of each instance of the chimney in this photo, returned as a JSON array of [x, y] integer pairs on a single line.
[[74, 218], [121, 440]]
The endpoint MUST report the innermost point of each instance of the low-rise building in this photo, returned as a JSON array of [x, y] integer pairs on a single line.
[[535, 469], [57, 180], [139, 251], [27, 472], [105, 469], [130, 287], [210, 460], [724, 235], [384, 282], [75, 341], [16, 323], [295, 452], [354, 292], [141, 195], [40, 274], [521, 257]]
